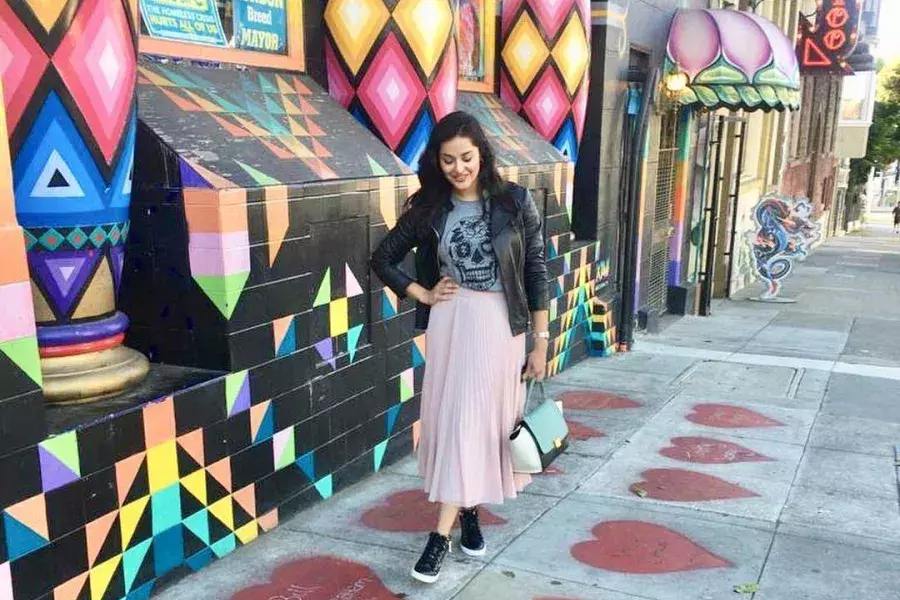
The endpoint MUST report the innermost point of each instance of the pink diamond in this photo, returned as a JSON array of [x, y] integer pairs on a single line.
[[551, 14], [507, 94], [508, 14], [22, 63], [96, 60], [579, 108], [338, 86], [391, 92], [547, 105], [443, 88]]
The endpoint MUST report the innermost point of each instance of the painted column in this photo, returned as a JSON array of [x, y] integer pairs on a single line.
[[545, 53], [69, 77], [393, 65]]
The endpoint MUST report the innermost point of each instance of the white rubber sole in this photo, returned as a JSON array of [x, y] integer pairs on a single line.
[[424, 578], [473, 552]]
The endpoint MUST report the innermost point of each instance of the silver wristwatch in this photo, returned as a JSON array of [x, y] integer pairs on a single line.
[[544, 335]]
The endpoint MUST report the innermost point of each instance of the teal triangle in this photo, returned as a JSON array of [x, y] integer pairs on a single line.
[[198, 524], [353, 340], [20, 539], [392, 414], [165, 506], [132, 561], [249, 85], [201, 559], [266, 85], [307, 464], [142, 593], [289, 343], [387, 310], [273, 107], [377, 169], [379, 454], [417, 359], [225, 546], [177, 79], [324, 486], [225, 104], [267, 427]]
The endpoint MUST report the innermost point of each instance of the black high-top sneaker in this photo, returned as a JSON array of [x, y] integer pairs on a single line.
[[471, 541], [428, 569]]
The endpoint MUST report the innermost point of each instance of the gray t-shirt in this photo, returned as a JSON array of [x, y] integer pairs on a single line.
[[466, 250]]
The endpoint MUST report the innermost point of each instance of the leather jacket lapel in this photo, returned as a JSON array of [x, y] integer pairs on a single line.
[[500, 219]]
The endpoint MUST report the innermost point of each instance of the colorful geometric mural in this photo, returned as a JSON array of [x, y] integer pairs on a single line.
[[72, 68], [546, 50], [733, 59], [393, 65], [268, 128]]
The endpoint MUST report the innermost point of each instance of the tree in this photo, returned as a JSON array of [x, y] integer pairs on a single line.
[[884, 134]]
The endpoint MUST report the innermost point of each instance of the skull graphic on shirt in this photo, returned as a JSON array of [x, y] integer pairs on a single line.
[[472, 253]]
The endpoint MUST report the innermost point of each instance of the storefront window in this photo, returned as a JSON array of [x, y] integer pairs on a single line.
[[252, 32], [475, 25]]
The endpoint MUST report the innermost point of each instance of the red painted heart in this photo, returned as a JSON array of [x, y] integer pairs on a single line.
[[580, 431], [709, 451], [320, 578], [589, 400], [724, 415], [410, 511], [644, 548], [680, 485]]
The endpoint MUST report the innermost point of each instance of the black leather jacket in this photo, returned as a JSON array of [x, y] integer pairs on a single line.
[[518, 244]]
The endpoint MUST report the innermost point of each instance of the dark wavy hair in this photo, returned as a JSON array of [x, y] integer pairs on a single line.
[[436, 188]]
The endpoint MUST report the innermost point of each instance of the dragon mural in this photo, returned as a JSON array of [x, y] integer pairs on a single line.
[[785, 232]]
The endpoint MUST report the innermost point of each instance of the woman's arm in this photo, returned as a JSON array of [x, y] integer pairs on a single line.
[[537, 289], [391, 252]]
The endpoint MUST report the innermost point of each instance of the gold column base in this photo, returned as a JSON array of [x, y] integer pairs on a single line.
[[92, 376]]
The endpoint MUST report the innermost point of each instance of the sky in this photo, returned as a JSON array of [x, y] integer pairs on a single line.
[[888, 40]]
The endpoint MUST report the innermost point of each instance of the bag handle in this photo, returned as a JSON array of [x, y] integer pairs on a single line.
[[528, 394]]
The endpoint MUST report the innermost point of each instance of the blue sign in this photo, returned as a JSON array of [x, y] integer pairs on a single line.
[[260, 25], [194, 21]]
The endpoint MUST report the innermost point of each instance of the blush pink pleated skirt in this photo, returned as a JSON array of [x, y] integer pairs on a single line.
[[472, 398]]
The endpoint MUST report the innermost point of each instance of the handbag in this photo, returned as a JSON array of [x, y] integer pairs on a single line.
[[540, 436]]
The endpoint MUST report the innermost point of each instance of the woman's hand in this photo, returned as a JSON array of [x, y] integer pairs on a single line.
[[536, 367], [444, 290]]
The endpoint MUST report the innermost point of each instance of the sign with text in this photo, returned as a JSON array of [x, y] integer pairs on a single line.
[[195, 21], [260, 25], [824, 46]]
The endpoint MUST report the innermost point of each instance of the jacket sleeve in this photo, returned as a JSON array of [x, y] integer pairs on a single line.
[[391, 252], [536, 286]]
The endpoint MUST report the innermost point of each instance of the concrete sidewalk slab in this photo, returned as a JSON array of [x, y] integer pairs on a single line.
[[866, 436], [287, 564], [638, 552], [713, 415], [660, 364], [857, 515], [391, 511], [803, 569], [498, 583], [848, 473], [728, 378], [753, 489], [863, 397]]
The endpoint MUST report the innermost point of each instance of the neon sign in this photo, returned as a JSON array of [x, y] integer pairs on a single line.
[[826, 45]]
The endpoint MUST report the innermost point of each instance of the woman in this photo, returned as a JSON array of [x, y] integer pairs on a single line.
[[480, 271]]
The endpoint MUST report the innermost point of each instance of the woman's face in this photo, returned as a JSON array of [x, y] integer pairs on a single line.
[[460, 162]]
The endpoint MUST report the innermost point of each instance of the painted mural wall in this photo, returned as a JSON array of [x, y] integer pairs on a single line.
[[545, 54], [393, 65], [282, 370], [69, 76]]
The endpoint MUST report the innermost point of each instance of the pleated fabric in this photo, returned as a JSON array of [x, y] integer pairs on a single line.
[[472, 398]]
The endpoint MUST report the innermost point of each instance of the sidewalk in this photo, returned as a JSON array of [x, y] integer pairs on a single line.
[[755, 446]]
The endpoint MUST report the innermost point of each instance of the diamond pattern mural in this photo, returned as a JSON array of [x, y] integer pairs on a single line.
[[69, 70], [388, 63], [545, 54]]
